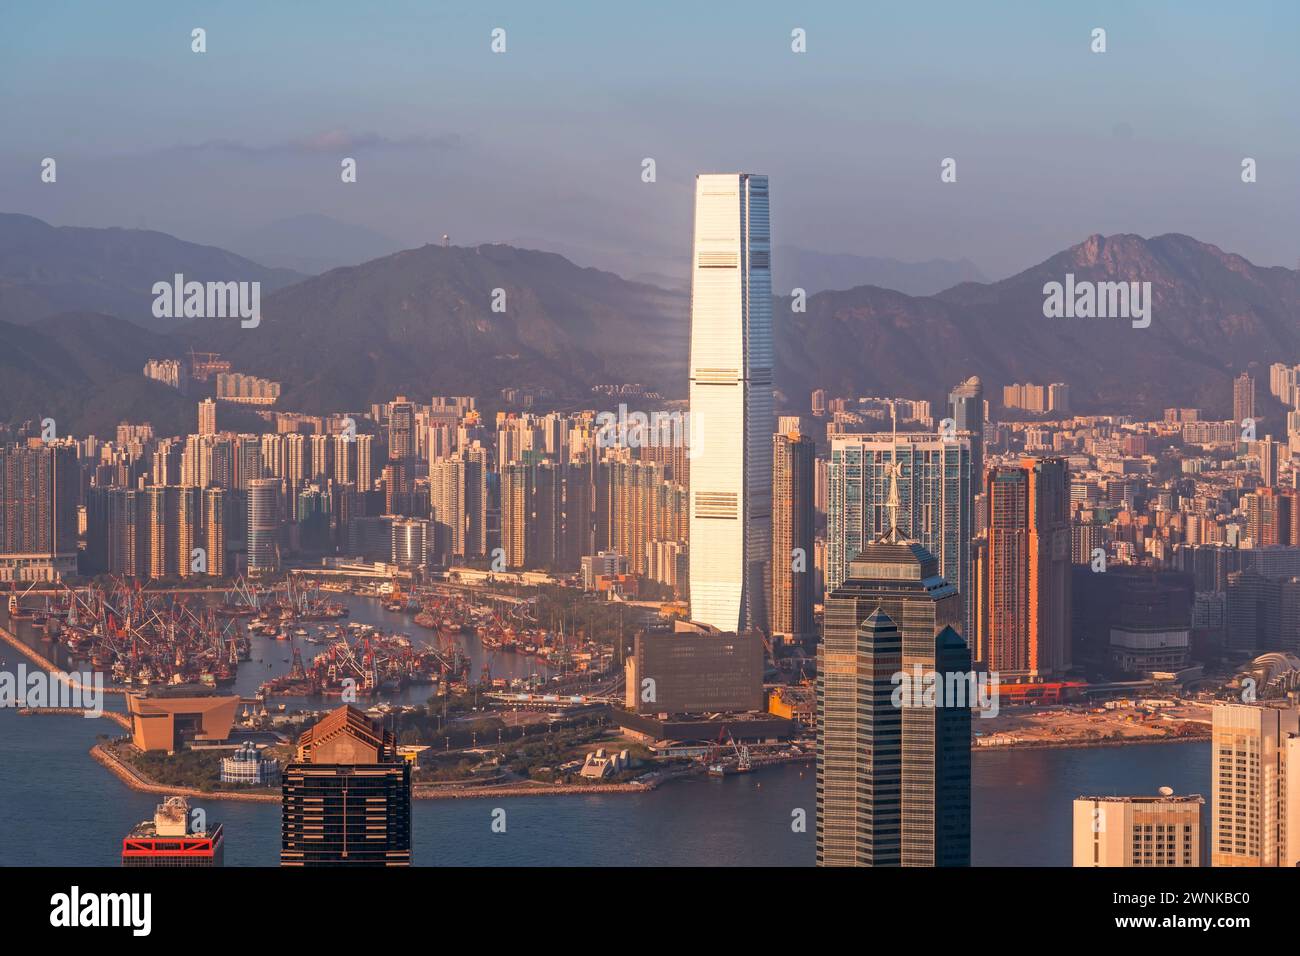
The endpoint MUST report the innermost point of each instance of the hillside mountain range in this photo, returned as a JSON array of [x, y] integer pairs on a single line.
[[793, 267], [48, 270], [85, 370], [421, 322]]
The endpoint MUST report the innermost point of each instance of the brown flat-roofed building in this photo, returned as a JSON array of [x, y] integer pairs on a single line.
[[694, 669], [168, 721]]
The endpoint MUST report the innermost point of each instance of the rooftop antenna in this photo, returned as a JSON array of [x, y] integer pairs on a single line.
[[893, 469]]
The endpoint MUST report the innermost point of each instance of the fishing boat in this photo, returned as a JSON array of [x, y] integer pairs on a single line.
[[17, 612]]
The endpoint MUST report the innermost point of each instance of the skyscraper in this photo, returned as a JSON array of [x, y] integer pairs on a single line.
[[1243, 398], [263, 525], [346, 798], [296, 460], [117, 532], [900, 580], [731, 401], [344, 459], [458, 495], [214, 530], [1255, 750], [207, 417], [401, 429], [793, 477], [1266, 451], [935, 500], [1025, 630], [412, 542], [39, 486], [173, 838], [516, 498], [248, 461], [321, 458], [1272, 516], [859, 745], [173, 518], [272, 456], [966, 405], [362, 462], [636, 506]]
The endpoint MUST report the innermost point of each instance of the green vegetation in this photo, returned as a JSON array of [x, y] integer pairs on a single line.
[[189, 769], [537, 754]]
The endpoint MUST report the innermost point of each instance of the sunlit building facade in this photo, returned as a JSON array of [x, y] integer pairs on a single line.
[[731, 402]]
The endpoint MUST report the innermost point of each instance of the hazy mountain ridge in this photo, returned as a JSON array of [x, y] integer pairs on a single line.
[[85, 371], [421, 322], [48, 270], [813, 272]]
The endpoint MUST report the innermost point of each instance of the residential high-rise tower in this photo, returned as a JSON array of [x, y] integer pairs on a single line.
[[1255, 750], [1025, 626], [793, 478]]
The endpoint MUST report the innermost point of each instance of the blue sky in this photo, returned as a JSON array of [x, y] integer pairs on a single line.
[[543, 145]]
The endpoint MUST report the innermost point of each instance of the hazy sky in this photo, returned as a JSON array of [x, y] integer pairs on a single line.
[[543, 145]]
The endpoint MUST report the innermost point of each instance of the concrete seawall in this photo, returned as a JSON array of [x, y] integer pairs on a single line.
[[129, 776], [132, 779], [36, 657]]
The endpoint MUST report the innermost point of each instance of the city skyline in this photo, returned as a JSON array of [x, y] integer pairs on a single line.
[[427, 441]]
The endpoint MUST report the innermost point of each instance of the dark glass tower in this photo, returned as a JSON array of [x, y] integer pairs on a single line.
[[901, 580], [346, 799], [859, 746]]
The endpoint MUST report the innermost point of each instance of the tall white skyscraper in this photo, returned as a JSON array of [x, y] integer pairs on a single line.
[[731, 401]]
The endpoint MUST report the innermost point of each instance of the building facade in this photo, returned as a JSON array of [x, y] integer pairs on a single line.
[[731, 402], [935, 500], [346, 797], [900, 580], [38, 512], [690, 669], [1025, 630], [1255, 749], [793, 528], [263, 526], [1161, 831]]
